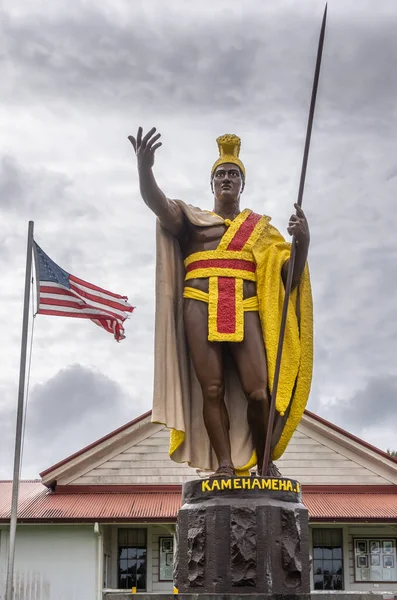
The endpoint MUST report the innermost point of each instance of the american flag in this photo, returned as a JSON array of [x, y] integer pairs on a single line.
[[64, 295]]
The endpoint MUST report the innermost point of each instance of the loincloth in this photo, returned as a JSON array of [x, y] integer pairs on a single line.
[[218, 319], [249, 304]]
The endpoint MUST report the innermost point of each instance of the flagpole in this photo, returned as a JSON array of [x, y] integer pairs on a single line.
[[19, 421]]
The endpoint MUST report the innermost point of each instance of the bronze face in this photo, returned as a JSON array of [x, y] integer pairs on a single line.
[[227, 182]]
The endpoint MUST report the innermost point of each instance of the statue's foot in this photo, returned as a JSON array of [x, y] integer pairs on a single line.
[[223, 471], [273, 471]]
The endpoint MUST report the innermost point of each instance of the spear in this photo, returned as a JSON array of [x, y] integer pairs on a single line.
[[288, 285]]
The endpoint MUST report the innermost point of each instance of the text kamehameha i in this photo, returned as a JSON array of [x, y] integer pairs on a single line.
[[250, 483]]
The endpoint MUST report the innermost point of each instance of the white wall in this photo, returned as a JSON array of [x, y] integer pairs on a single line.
[[154, 533], [55, 562], [52, 562]]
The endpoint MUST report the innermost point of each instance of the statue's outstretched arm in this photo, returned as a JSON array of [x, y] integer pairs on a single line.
[[168, 212]]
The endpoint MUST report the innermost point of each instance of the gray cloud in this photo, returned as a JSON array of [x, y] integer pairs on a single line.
[[74, 85], [72, 409], [203, 61], [369, 409], [70, 397], [31, 191], [133, 63], [21, 190]]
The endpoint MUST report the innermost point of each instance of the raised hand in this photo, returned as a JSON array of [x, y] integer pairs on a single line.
[[299, 227], [145, 148]]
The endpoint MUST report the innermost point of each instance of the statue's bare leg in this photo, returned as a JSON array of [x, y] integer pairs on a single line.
[[250, 359], [208, 363]]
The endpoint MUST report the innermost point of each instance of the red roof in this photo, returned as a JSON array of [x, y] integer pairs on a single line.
[[28, 492], [44, 505], [141, 504], [351, 506]]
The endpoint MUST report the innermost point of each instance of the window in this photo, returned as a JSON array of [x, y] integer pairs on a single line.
[[375, 559], [328, 559], [132, 559]]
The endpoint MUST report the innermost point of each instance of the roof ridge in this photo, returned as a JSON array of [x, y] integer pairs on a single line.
[[21, 481], [351, 436]]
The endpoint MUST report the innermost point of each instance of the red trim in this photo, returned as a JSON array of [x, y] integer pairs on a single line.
[[97, 443], [350, 489], [244, 231], [351, 520], [173, 520], [226, 309], [222, 263], [86, 504], [97, 520], [175, 488], [117, 489], [350, 436], [308, 488], [22, 481]]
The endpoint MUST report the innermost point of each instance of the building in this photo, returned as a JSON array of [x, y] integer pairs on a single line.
[[104, 518]]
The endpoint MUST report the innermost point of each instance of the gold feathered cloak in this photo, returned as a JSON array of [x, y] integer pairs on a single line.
[[177, 399]]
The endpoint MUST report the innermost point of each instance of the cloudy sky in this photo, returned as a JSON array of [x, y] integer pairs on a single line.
[[78, 77]]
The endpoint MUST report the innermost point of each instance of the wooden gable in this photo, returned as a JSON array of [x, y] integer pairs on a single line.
[[146, 462], [318, 454]]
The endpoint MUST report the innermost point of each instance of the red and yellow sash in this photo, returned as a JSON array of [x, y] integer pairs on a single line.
[[227, 267]]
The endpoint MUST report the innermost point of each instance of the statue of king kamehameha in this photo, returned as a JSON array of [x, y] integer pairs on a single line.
[[220, 279]]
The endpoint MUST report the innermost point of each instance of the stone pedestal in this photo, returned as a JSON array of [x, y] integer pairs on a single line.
[[244, 535]]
